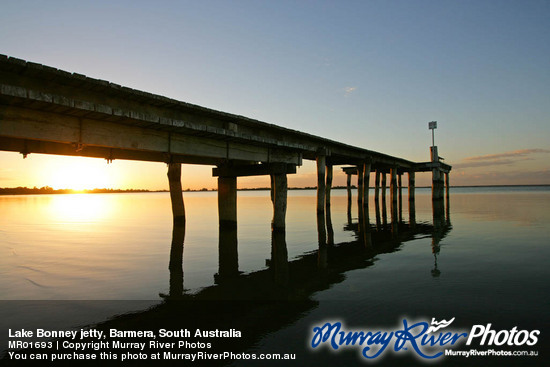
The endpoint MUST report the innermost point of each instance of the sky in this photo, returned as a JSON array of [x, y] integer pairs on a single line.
[[367, 73]]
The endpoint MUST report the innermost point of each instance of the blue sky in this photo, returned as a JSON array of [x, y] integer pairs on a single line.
[[368, 73]]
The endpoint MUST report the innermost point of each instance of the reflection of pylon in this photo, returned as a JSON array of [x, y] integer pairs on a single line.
[[435, 250], [435, 271]]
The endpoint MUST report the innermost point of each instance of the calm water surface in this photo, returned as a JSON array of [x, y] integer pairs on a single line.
[[489, 264]]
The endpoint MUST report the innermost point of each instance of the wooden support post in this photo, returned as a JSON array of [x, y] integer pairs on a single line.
[[366, 183], [384, 187], [321, 168], [328, 219], [447, 184], [412, 209], [272, 179], [393, 189], [279, 202], [437, 179], [227, 201], [384, 207], [441, 185], [364, 222], [400, 196], [176, 194], [377, 186], [411, 185], [377, 198], [328, 186], [348, 187], [393, 198], [279, 254], [360, 187], [447, 200], [321, 229], [437, 184]]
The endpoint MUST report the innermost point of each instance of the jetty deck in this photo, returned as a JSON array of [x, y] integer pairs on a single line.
[[51, 111]]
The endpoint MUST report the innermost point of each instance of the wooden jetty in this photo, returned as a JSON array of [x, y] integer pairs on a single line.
[[50, 111]]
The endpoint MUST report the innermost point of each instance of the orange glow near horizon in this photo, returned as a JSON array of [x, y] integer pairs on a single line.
[[81, 173]]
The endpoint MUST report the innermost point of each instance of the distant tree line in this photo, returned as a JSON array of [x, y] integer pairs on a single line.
[[49, 190]]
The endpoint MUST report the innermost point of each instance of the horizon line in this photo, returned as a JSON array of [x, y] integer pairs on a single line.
[[49, 189]]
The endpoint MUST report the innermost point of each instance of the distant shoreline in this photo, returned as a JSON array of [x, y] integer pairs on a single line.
[[49, 191]]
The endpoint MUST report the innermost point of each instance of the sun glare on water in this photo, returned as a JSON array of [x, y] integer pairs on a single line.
[[80, 208]]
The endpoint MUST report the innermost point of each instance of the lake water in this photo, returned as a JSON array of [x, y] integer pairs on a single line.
[[72, 260]]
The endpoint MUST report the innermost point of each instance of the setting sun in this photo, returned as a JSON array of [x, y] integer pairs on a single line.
[[78, 174]]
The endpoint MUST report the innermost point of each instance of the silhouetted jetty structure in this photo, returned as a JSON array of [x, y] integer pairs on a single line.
[[50, 111]]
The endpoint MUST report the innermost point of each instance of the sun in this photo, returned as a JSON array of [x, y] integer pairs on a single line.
[[78, 173]]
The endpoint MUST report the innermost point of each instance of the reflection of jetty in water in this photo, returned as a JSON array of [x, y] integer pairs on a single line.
[[284, 290], [268, 300]]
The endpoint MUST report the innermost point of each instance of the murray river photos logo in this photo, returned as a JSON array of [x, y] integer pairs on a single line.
[[427, 341]]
